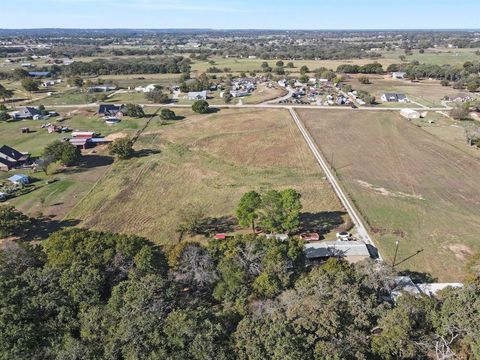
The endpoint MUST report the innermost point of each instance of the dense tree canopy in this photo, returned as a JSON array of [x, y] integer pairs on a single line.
[[91, 295]]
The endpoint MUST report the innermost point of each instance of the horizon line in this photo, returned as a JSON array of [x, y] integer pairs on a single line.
[[244, 29]]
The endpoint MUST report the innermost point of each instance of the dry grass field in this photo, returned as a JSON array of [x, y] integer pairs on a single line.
[[207, 161], [408, 184]]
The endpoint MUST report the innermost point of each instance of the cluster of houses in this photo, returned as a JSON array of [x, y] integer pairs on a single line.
[[12, 159], [242, 87]]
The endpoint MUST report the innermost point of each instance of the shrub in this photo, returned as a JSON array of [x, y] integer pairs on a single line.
[[167, 114], [122, 148], [201, 107]]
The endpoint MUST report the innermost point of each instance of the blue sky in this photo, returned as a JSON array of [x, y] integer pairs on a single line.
[[241, 14]]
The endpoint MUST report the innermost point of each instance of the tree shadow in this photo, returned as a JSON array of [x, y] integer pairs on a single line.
[[178, 117], [223, 224], [373, 251], [419, 277], [42, 227], [322, 222], [145, 152], [88, 162], [213, 110]]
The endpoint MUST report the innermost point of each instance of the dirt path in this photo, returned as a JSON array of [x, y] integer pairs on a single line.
[[352, 212]]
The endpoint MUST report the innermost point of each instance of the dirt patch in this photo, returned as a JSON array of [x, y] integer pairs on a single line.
[[462, 252], [115, 136], [384, 192]]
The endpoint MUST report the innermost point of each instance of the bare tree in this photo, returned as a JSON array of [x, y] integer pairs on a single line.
[[196, 267]]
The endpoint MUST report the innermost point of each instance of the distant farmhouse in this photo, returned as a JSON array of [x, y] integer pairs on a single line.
[[102, 88], [27, 113], [395, 97], [110, 110], [40, 74], [146, 89]]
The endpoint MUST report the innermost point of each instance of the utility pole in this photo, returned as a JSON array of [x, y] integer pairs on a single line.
[[396, 251]]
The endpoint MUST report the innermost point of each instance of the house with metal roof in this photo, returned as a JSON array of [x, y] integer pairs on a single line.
[[39, 73], [19, 179], [27, 112], [352, 251], [197, 95]]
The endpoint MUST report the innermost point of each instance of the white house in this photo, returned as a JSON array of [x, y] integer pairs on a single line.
[[197, 95], [48, 83], [410, 114], [394, 97], [146, 89], [399, 75]]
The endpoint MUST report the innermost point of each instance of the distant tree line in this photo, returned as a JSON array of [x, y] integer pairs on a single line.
[[170, 65], [373, 68], [460, 76]]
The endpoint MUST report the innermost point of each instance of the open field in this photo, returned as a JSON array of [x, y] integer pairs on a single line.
[[425, 92], [435, 56], [438, 56], [408, 184], [238, 65], [207, 161], [448, 130]]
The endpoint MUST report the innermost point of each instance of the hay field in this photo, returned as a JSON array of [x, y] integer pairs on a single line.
[[209, 161], [408, 184]]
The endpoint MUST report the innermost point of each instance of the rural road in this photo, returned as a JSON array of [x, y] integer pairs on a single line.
[[285, 97], [352, 212], [264, 106]]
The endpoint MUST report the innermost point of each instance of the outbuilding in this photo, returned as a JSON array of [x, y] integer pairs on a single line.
[[410, 114], [19, 179], [197, 95]]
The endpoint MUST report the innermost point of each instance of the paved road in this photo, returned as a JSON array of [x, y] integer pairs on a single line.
[[286, 97], [352, 212], [266, 106]]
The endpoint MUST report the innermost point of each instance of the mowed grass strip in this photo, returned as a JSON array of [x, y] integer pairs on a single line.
[[408, 184], [209, 161]]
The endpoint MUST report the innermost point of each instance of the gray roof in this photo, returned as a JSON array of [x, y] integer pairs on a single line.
[[12, 153], [28, 112], [325, 249], [395, 96], [197, 94]]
